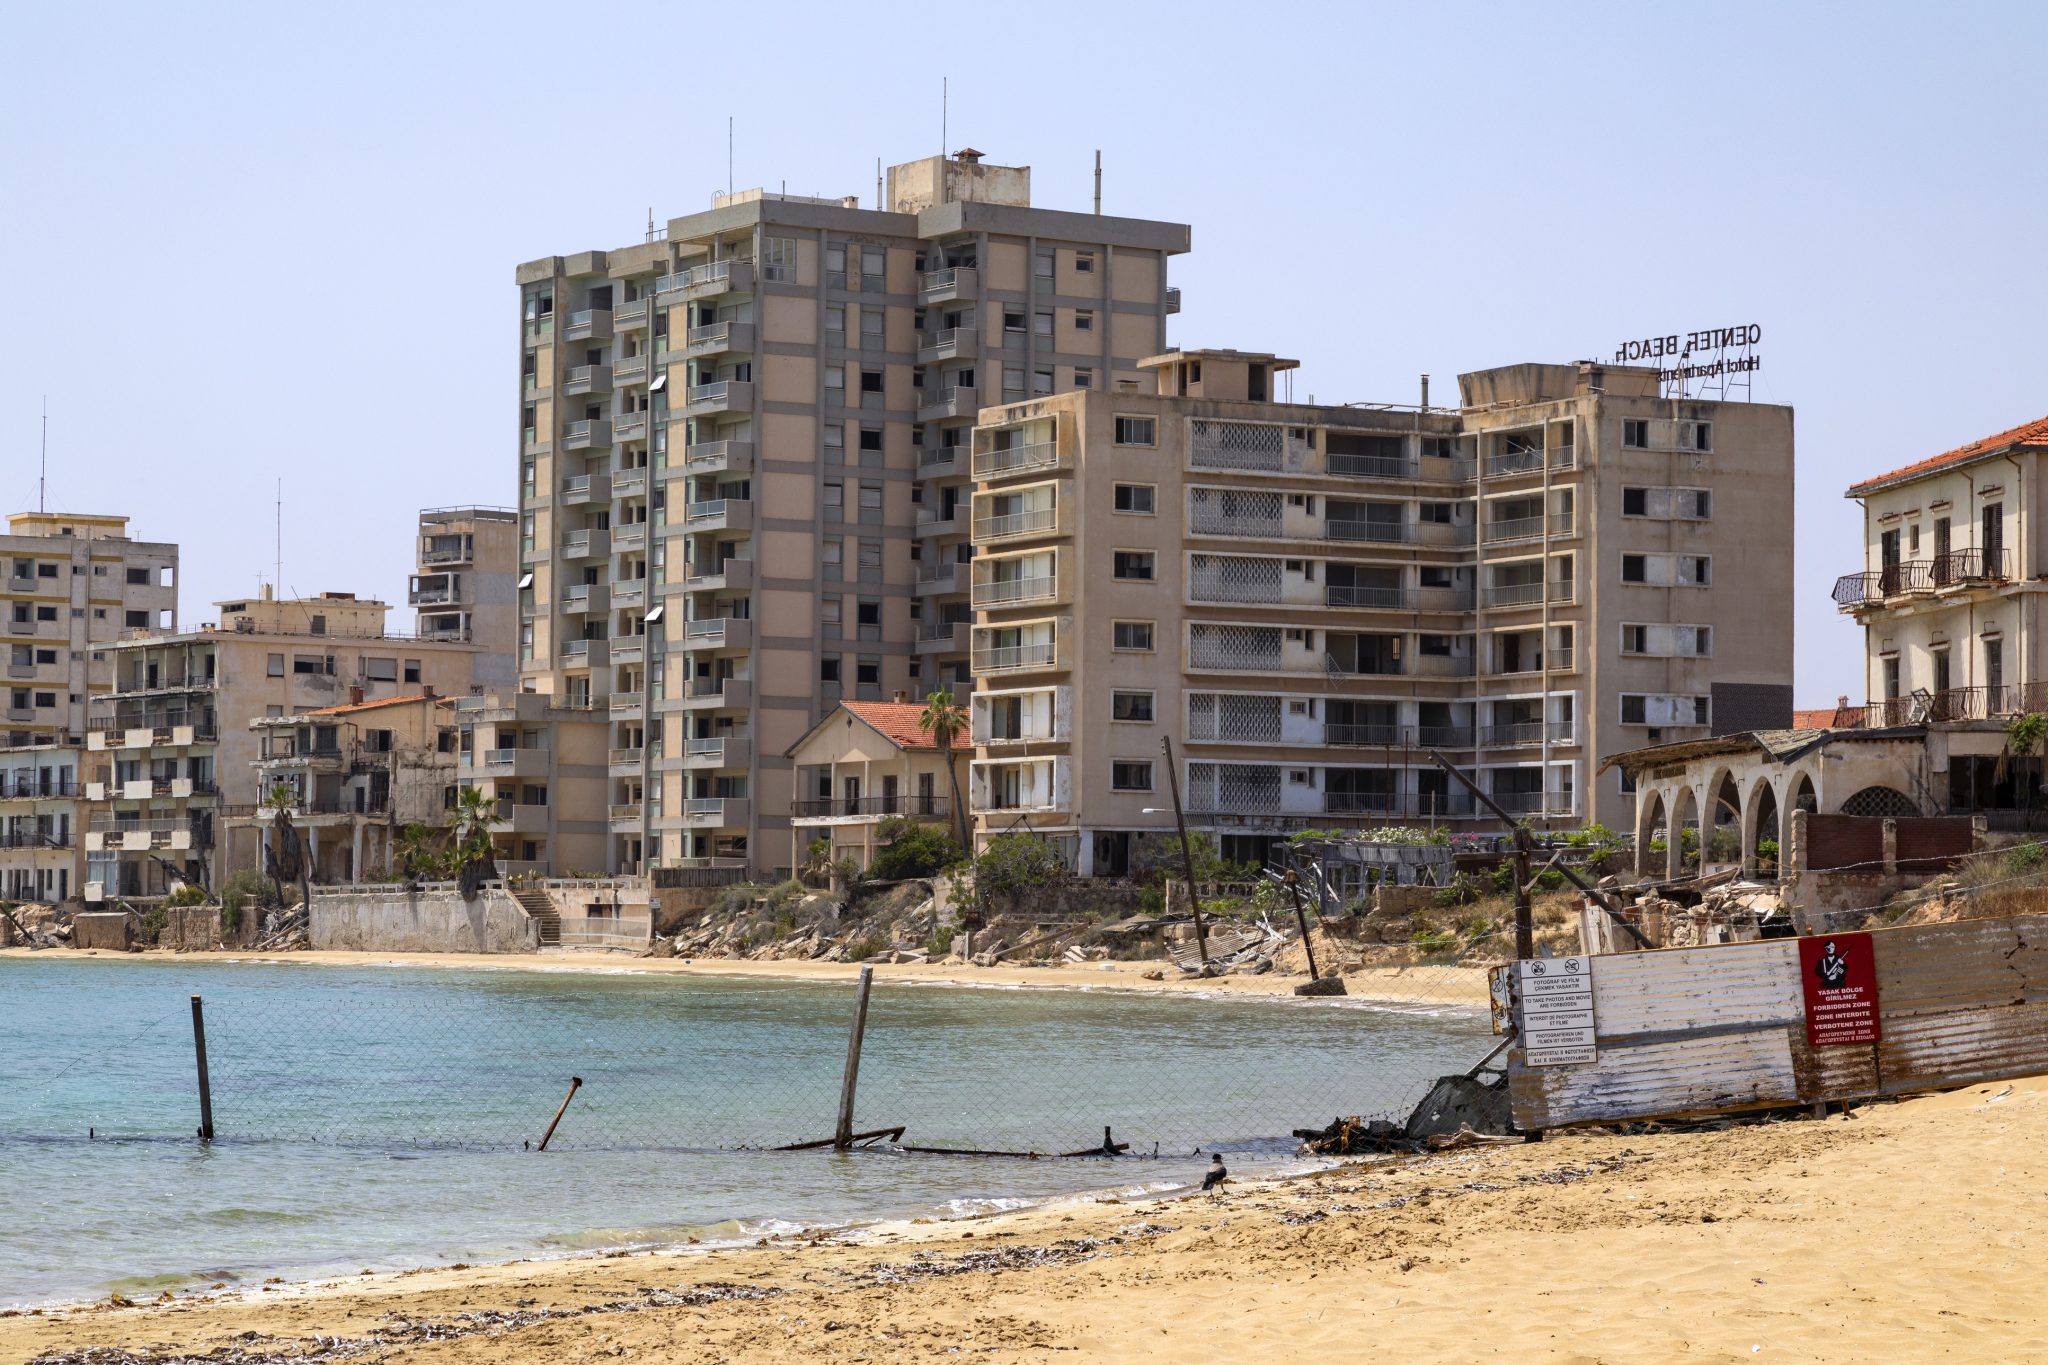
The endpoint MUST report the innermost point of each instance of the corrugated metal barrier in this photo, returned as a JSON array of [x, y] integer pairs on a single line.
[[1783, 1022]]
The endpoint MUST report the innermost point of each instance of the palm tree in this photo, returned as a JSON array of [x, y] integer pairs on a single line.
[[2025, 737], [945, 720], [473, 817]]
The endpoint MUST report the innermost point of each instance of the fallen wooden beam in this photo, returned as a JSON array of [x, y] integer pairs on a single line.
[[873, 1134]]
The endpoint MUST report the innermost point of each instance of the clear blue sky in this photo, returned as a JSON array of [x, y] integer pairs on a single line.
[[263, 241]]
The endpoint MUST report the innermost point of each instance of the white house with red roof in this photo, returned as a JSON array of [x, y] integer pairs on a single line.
[[865, 763]]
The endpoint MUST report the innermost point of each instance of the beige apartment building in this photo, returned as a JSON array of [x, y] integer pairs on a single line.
[[74, 584], [1949, 600], [175, 777], [743, 472], [1307, 600], [465, 587], [545, 770]]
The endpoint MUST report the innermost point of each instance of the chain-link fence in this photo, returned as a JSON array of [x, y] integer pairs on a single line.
[[465, 1058]]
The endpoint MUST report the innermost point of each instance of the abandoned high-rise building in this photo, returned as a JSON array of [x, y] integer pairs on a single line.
[[744, 487]]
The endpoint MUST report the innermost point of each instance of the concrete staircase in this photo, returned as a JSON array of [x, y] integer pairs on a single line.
[[541, 908]]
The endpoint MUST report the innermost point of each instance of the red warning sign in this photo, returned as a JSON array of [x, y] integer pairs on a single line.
[[1839, 976]]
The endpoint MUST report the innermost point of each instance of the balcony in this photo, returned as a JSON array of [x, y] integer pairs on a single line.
[[1444, 736], [718, 632], [708, 280], [733, 574], [579, 489], [1507, 464], [1003, 464], [723, 395], [935, 405], [1172, 299], [589, 324], [627, 594], [513, 818], [953, 282], [628, 649], [718, 338], [1514, 595], [718, 694], [1016, 592], [1367, 736], [588, 379], [629, 483], [626, 706], [1014, 658], [1521, 734], [497, 763], [937, 461], [432, 590], [590, 543], [624, 762], [724, 751], [585, 597], [715, 812], [624, 816], [589, 434], [719, 457], [1513, 528], [1360, 530], [947, 576], [932, 521], [1354, 466], [951, 343], [629, 537], [1969, 568], [630, 370], [585, 653], [630, 426], [719, 514], [821, 810], [1036, 521], [633, 313], [943, 637], [1443, 665]]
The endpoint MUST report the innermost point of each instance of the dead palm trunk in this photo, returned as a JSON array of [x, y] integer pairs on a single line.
[[953, 780]]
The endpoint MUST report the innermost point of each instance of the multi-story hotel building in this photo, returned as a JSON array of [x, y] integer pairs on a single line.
[[464, 586], [1307, 600], [176, 776], [743, 471], [544, 769], [74, 584], [1949, 600]]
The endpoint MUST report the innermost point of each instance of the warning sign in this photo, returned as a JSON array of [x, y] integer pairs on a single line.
[[1838, 973], [1556, 999]]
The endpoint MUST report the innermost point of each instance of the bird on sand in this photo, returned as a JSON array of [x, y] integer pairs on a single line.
[[1217, 1174]]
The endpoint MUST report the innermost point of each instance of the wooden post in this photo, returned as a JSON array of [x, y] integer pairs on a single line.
[[205, 1084], [1525, 921], [843, 1136], [575, 1084], [1293, 882], [1187, 855]]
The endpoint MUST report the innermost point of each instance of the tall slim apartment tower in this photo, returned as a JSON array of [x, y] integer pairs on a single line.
[[464, 587], [1308, 601], [74, 585], [743, 470]]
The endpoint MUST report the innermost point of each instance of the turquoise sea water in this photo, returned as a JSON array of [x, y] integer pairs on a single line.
[[379, 1118]]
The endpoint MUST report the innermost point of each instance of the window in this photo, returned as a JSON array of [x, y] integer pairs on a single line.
[[1130, 776], [869, 613], [46, 570], [134, 618], [1697, 569], [778, 259], [870, 495], [1135, 565], [380, 670], [1633, 709], [1042, 265], [411, 670], [1134, 431], [1635, 502], [1084, 320], [835, 383], [1699, 711], [1083, 378], [1635, 434], [1013, 320], [835, 500], [277, 665], [1702, 504], [1136, 706], [1634, 569], [868, 672], [46, 699], [1703, 640], [1135, 497], [1696, 436], [1135, 635], [1635, 639], [870, 438], [1084, 261], [828, 668], [140, 576], [870, 381]]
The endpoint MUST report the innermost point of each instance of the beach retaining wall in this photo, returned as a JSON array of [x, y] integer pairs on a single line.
[[1730, 1027], [395, 920], [111, 930]]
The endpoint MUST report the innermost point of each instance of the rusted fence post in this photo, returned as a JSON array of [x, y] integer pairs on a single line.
[[205, 1084], [842, 1137]]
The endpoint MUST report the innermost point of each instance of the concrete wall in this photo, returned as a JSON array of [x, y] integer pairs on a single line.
[[111, 931], [391, 919]]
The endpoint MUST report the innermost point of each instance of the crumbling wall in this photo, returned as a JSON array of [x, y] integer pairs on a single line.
[[396, 920], [111, 930]]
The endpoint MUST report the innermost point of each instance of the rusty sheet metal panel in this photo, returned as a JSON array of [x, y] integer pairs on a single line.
[[1932, 843], [1728, 986], [1935, 1050], [1844, 841], [1710, 1073], [1832, 1073], [1970, 964]]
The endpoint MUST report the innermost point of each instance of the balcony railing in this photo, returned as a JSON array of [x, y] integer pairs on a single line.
[[1377, 532], [1026, 523], [829, 808], [1958, 567], [1514, 528], [991, 464], [1509, 462], [1353, 595], [1514, 594], [1893, 580], [1352, 736], [1005, 591], [1371, 466], [1006, 657]]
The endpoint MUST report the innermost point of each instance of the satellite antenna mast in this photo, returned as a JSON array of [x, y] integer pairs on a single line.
[[728, 156], [279, 580], [945, 100], [43, 473]]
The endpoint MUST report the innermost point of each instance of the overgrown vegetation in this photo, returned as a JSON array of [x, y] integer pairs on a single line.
[[1011, 868], [911, 850]]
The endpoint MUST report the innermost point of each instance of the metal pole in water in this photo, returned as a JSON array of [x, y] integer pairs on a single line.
[[575, 1084], [842, 1138], [205, 1085]]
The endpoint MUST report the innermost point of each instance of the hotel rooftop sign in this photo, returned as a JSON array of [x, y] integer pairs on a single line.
[[1712, 357]]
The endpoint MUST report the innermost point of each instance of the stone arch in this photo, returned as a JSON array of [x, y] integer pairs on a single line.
[[1650, 821], [1879, 800], [1721, 820], [1762, 824], [1804, 795], [1682, 842]]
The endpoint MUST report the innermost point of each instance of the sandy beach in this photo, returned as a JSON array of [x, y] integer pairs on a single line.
[[1904, 1232], [1438, 985]]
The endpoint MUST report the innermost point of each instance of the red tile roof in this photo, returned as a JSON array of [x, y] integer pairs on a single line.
[[897, 722], [354, 706], [2032, 433], [1840, 716]]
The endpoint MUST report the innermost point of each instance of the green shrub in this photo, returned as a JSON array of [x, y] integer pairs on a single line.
[[188, 894], [941, 941], [247, 887], [866, 948], [911, 850], [1013, 866], [2026, 857], [1433, 940]]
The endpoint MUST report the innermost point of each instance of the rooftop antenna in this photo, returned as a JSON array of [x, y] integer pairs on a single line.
[[1098, 182], [279, 581], [43, 474], [878, 184], [728, 156], [945, 98]]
